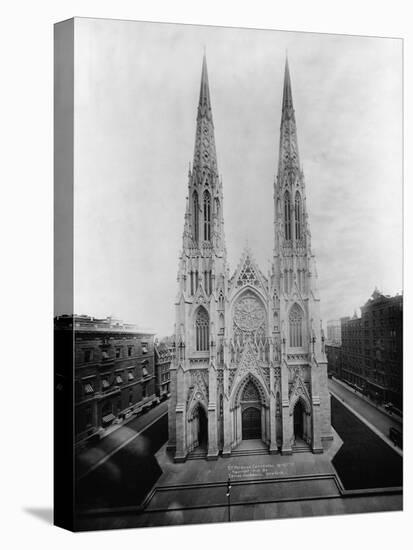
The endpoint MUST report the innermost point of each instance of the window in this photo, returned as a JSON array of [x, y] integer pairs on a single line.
[[88, 355], [119, 379], [105, 383], [287, 216], [144, 347], [195, 207], [207, 216], [117, 353], [296, 326], [208, 281], [202, 330], [144, 390], [130, 349], [144, 369], [130, 375], [130, 397], [89, 389], [297, 212]]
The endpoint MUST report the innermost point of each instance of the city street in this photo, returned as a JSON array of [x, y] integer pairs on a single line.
[[94, 456], [380, 420]]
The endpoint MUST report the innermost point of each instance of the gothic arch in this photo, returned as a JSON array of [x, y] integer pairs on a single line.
[[237, 296], [296, 326], [238, 391], [196, 402], [304, 400], [207, 215], [195, 207], [287, 216], [298, 216], [201, 326], [248, 317]]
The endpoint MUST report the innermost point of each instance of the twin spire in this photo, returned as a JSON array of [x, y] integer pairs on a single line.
[[205, 153]]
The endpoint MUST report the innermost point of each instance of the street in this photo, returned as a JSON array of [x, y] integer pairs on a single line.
[[94, 456], [380, 420]]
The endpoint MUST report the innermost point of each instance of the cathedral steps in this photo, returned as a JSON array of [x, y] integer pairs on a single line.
[[249, 452], [301, 448]]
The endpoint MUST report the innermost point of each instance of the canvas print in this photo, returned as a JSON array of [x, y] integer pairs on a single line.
[[228, 262]]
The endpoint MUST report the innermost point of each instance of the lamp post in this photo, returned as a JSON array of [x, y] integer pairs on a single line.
[[229, 497]]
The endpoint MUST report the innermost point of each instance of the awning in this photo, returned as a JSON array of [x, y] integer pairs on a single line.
[[108, 418]]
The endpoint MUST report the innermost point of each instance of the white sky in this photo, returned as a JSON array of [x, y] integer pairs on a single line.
[[136, 94]]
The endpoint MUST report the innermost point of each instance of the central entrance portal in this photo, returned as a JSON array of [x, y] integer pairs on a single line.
[[251, 423], [251, 412]]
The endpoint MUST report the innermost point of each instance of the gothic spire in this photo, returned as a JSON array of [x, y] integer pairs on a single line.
[[205, 158], [288, 156]]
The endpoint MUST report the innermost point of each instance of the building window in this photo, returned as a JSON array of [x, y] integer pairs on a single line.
[[296, 326], [105, 355], [105, 383], [196, 216], [130, 375], [144, 391], [130, 398], [202, 330], [207, 216], [117, 353], [144, 369], [208, 282], [119, 379], [88, 355], [298, 232], [144, 347], [287, 216], [130, 349], [88, 388]]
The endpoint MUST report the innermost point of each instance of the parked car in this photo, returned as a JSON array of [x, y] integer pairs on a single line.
[[396, 436]]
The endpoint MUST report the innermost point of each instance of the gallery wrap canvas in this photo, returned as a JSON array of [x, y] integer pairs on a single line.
[[228, 274]]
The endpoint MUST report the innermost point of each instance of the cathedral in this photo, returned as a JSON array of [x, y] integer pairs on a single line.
[[250, 362]]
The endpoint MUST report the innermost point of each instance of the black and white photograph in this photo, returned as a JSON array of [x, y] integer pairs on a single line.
[[234, 323]]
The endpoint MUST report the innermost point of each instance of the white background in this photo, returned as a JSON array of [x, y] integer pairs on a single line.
[[26, 118]]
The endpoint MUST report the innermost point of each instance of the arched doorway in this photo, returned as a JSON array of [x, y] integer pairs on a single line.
[[251, 412], [251, 423], [299, 420], [201, 426]]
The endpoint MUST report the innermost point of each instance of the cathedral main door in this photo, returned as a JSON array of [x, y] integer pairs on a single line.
[[251, 423]]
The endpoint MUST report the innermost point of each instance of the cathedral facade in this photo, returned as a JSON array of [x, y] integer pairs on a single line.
[[250, 362]]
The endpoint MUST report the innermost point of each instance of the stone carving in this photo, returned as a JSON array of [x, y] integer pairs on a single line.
[[248, 275]]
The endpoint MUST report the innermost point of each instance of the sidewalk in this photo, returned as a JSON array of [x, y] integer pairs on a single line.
[[380, 408], [89, 459]]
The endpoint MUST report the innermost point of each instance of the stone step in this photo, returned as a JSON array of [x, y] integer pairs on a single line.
[[249, 452]]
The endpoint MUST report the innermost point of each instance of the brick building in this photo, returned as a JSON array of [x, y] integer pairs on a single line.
[[372, 349], [114, 370], [333, 332], [333, 352], [164, 353]]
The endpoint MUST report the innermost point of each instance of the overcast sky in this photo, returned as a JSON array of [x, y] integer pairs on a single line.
[[136, 95]]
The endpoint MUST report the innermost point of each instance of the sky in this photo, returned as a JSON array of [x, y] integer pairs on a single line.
[[136, 95]]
